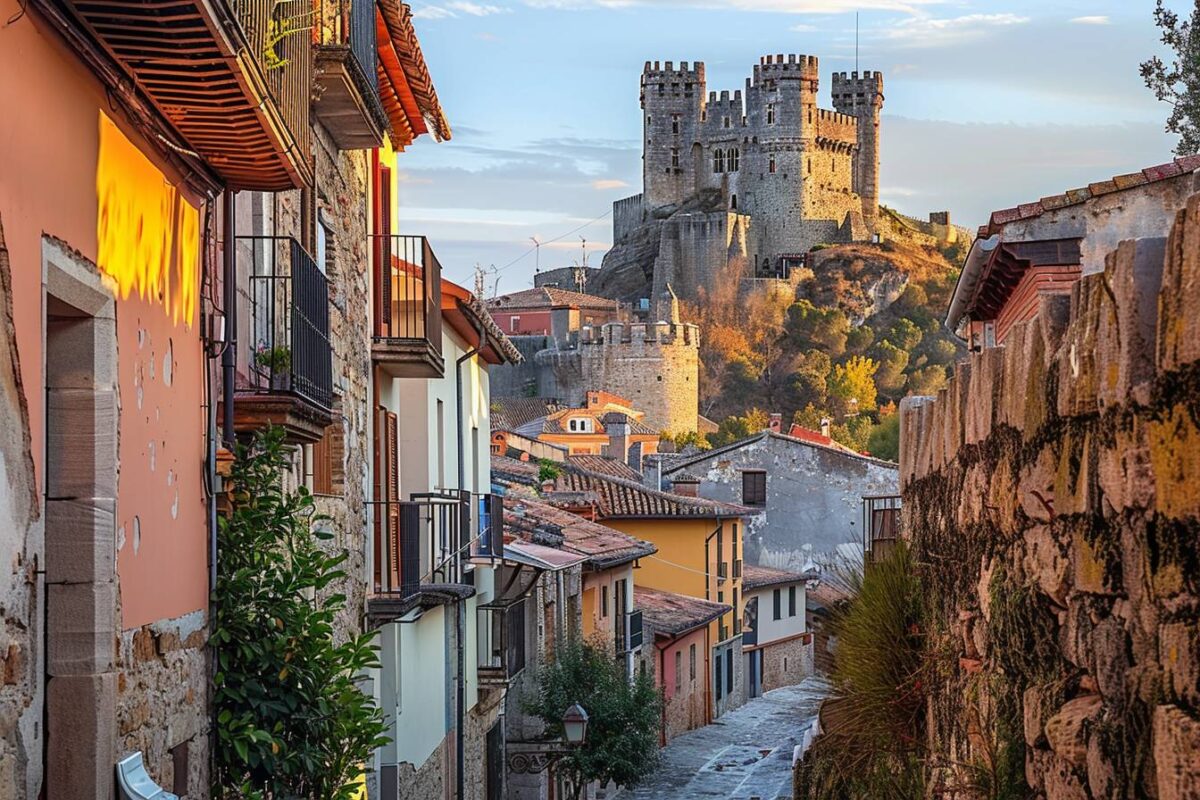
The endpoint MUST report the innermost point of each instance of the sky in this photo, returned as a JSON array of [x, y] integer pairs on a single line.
[[988, 104]]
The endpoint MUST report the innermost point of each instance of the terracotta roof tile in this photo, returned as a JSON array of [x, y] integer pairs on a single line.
[[1056, 201], [674, 614], [1131, 180], [1079, 195], [603, 546], [550, 297], [605, 465], [756, 577], [511, 413], [1030, 210], [1163, 171], [1189, 163], [1102, 188], [619, 498]]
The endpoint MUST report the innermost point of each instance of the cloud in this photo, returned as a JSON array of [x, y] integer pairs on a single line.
[[457, 7], [946, 31], [487, 37], [1096, 20], [608, 183], [772, 6], [803, 28]]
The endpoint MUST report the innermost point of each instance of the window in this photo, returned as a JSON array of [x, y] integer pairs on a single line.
[[579, 425], [692, 662], [778, 607], [324, 243], [770, 113], [674, 156], [327, 464], [729, 670], [720, 684], [718, 160], [791, 601], [514, 323], [604, 601], [679, 669], [674, 123], [737, 618], [754, 488], [733, 202], [734, 157], [725, 122], [809, 166], [771, 165], [649, 120]]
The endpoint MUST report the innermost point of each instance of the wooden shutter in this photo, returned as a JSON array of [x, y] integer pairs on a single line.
[[392, 491]]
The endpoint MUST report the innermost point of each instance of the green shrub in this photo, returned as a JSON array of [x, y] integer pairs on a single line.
[[291, 720]]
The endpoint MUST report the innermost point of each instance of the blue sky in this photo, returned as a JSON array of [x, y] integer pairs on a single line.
[[988, 104]]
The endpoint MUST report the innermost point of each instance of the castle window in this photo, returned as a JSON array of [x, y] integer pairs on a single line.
[[649, 120], [734, 155], [725, 122], [771, 165], [674, 156], [810, 166], [718, 160], [771, 114], [514, 323], [674, 123], [733, 202]]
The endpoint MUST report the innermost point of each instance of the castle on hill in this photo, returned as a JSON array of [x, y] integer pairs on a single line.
[[748, 182]]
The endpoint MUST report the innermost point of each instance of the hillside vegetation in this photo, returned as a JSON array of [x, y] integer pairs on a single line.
[[862, 329]]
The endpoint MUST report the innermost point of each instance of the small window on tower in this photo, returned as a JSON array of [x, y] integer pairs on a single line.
[[718, 160], [734, 156], [725, 122], [733, 202], [674, 156], [771, 114], [675, 123], [649, 120], [771, 165]]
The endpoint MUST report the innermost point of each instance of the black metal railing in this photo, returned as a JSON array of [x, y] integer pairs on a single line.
[[429, 539], [289, 320], [881, 523], [408, 289], [350, 23], [501, 642]]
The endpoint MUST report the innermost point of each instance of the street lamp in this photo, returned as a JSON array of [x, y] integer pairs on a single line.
[[575, 723]]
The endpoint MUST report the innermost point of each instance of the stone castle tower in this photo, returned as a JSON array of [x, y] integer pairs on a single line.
[[655, 365], [758, 177]]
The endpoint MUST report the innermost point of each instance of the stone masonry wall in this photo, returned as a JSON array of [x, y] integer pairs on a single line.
[[788, 662], [1052, 497]]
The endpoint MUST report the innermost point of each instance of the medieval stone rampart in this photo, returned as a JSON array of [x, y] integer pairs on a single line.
[[1052, 498]]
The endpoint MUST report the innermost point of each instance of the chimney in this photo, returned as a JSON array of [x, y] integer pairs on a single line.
[[825, 423], [776, 423], [617, 427]]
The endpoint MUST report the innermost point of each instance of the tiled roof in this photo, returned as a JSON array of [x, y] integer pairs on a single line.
[[603, 546], [1172, 169], [605, 465], [620, 498], [756, 577], [550, 297], [510, 413], [671, 468], [675, 614]]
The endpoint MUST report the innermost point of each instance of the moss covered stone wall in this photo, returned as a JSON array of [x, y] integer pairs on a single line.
[[1052, 497]]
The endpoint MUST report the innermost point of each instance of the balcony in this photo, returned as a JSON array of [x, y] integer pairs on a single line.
[[501, 645], [346, 72], [288, 377], [233, 78], [881, 526], [423, 547], [407, 340]]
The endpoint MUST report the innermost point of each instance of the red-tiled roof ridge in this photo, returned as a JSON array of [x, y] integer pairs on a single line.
[[550, 296], [618, 497], [675, 614], [604, 465], [603, 546], [758, 577], [1181, 165]]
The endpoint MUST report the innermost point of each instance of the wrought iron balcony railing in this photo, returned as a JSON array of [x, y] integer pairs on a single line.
[[407, 339], [347, 98], [501, 643], [289, 321]]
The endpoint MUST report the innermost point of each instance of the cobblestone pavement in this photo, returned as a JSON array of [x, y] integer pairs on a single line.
[[746, 754]]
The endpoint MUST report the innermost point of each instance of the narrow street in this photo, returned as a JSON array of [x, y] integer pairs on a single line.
[[746, 754]]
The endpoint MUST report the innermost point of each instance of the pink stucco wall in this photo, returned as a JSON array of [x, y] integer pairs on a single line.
[[49, 158]]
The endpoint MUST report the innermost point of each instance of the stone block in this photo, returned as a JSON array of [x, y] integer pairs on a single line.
[[85, 353], [912, 435], [1047, 561], [1067, 730], [1110, 648], [81, 541], [1053, 317], [1126, 342], [81, 446], [1174, 444], [81, 737], [1124, 472], [1178, 331], [1176, 754], [1062, 781], [1036, 486], [81, 628], [1101, 772], [1033, 715], [1074, 479], [1179, 655], [1035, 404], [982, 394], [1078, 381], [1092, 571], [1011, 405]]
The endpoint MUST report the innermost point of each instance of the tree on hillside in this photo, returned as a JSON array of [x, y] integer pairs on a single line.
[[1178, 83], [623, 716], [852, 385], [734, 428]]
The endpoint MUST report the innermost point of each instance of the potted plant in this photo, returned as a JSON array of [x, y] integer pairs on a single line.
[[277, 362]]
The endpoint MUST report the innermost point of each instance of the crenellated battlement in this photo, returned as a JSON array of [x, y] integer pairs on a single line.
[[657, 72], [641, 335], [792, 67], [847, 87]]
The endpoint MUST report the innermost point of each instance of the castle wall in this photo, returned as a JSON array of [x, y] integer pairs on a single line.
[[863, 98], [655, 365], [671, 101], [627, 216], [697, 250]]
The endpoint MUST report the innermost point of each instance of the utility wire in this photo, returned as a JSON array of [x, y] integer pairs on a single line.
[[550, 241]]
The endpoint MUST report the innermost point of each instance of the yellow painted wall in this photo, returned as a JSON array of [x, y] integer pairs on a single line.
[[679, 565]]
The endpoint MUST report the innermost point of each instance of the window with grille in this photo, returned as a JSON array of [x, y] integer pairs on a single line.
[[718, 160], [754, 488]]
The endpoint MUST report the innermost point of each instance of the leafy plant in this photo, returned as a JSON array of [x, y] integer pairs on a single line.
[[548, 470], [278, 359], [291, 719], [1179, 82], [623, 715]]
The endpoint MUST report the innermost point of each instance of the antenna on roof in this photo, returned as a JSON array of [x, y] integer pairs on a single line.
[[537, 257]]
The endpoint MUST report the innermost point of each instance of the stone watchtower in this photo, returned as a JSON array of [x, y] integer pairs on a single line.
[[671, 105], [656, 365], [862, 97]]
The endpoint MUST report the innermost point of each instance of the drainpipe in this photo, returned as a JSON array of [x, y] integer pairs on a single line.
[[229, 280], [461, 610]]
